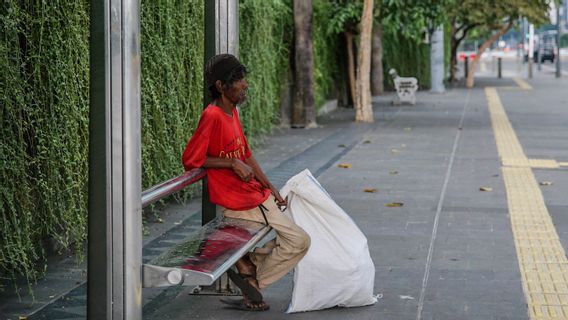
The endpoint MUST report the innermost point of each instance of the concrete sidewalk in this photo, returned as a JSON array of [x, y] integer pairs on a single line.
[[450, 251]]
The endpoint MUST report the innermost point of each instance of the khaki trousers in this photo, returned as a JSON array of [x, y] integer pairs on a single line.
[[279, 257]]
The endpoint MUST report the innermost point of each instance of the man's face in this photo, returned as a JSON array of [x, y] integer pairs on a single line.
[[237, 92]]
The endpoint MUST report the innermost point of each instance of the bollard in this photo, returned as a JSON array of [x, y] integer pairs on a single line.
[[466, 66], [499, 61]]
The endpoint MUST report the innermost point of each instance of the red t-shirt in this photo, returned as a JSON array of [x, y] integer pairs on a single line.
[[220, 135]]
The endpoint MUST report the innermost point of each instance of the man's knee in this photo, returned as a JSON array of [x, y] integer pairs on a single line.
[[304, 242]]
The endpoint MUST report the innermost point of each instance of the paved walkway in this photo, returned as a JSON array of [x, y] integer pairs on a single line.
[[452, 251]]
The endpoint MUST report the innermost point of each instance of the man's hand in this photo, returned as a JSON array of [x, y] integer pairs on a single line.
[[243, 170], [280, 202]]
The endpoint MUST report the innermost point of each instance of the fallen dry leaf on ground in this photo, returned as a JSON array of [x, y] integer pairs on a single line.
[[394, 204], [395, 151], [546, 183], [370, 190], [407, 129], [367, 141], [485, 189], [345, 165], [342, 146], [393, 172]]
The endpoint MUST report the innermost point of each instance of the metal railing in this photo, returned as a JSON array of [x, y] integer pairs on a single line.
[[171, 186]]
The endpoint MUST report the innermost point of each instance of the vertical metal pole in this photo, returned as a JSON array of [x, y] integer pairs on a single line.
[[558, 64], [531, 49], [221, 36], [465, 66], [114, 221], [538, 53], [525, 42], [132, 153], [499, 66]]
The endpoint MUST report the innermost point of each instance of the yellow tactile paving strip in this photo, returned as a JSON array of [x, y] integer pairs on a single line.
[[532, 163], [523, 84], [542, 260]]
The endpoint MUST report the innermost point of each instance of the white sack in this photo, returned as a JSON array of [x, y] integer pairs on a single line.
[[337, 270]]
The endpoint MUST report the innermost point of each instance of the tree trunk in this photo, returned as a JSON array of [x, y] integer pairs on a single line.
[[363, 103], [304, 112], [453, 54], [377, 86], [471, 73], [350, 64], [455, 43]]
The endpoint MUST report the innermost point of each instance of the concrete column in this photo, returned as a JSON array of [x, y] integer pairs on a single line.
[[437, 60]]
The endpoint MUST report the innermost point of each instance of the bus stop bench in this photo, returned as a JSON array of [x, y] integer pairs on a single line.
[[405, 88], [201, 258]]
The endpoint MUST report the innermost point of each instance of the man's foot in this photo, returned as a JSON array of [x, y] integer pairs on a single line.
[[244, 304], [252, 298], [247, 269]]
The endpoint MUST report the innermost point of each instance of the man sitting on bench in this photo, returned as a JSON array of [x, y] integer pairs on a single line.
[[237, 183]]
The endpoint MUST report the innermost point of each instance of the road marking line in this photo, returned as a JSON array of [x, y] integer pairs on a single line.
[[482, 66], [522, 83], [542, 260]]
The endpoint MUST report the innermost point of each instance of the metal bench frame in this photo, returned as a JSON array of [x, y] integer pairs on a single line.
[[155, 274]]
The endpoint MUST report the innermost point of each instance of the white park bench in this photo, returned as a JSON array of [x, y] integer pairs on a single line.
[[405, 88]]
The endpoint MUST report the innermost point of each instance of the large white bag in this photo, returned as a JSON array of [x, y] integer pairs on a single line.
[[337, 270]]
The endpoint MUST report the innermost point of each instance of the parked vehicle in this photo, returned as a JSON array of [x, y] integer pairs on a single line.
[[547, 52]]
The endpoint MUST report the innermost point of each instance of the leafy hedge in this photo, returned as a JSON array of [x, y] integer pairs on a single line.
[[172, 44], [266, 34], [326, 48], [44, 71], [409, 57], [43, 140]]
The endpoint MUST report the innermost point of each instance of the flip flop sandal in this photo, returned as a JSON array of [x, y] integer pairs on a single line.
[[241, 305], [240, 281]]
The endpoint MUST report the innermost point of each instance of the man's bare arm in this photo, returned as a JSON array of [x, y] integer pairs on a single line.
[[263, 179], [243, 170]]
